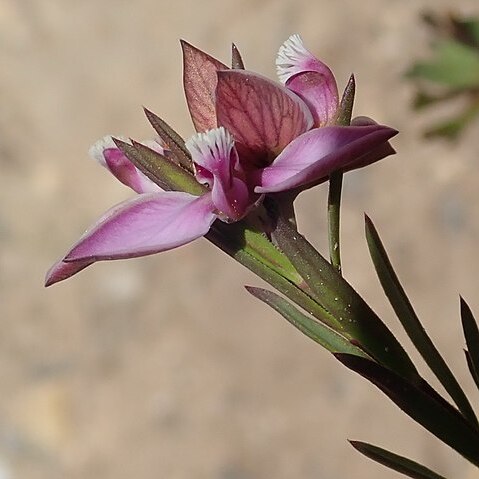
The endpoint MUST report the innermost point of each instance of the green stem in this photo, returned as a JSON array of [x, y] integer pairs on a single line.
[[334, 212]]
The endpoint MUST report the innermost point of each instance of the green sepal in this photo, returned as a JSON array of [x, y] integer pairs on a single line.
[[411, 323], [345, 109], [318, 332], [471, 334], [236, 59], [422, 403], [352, 317], [174, 141], [160, 169], [395, 462]]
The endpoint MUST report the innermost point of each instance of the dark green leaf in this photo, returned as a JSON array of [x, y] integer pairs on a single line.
[[471, 334], [353, 318], [472, 369], [410, 322], [393, 461], [318, 332], [419, 401], [174, 141]]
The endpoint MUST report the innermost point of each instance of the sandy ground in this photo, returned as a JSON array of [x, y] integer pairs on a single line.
[[164, 367]]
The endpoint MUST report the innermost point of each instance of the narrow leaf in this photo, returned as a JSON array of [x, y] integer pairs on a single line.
[[161, 170], [318, 332], [236, 60], [345, 110], [257, 253], [410, 322], [472, 369], [471, 334], [419, 401], [393, 461], [352, 315], [174, 141]]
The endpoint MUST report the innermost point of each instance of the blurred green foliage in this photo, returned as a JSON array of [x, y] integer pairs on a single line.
[[451, 72]]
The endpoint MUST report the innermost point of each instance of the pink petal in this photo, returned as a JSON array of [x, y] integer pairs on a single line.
[[381, 151], [309, 78], [148, 224], [216, 162], [61, 271], [259, 113], [199, 81], [109, 156], [316, 154]]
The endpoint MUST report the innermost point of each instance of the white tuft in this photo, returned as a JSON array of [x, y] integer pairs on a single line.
[[290, 56], [216, 143], [97, 149]]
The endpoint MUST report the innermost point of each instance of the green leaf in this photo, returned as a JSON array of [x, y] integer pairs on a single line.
[[318, 332], [393, 461], [353, 318], [454, 65], [174, 141], [472, 369], [410, 322], [257, 253], [471, 334], [419, 401], [159, 169]]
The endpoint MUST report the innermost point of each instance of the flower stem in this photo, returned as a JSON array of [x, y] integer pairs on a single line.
[[334, 211]]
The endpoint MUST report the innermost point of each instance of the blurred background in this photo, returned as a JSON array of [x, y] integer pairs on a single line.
[[164, 367]]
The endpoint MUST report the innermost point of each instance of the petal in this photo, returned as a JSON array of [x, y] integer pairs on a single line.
[[259, 113], [199, 81], [380, 152], [216, 161], [309, 78], [109, 156], [316, 154], [148, 224], [61, 271]]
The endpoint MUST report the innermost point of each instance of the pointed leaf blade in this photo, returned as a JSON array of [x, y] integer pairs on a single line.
[[161, 170], [419, 401], [345, 110], [318, 332], [471, 334], [395, 462], [236, 59], [411, 323], [352, 315], [472, 369], [174, 141]]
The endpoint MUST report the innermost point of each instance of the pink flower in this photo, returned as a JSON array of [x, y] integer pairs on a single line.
[[255, 137]]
